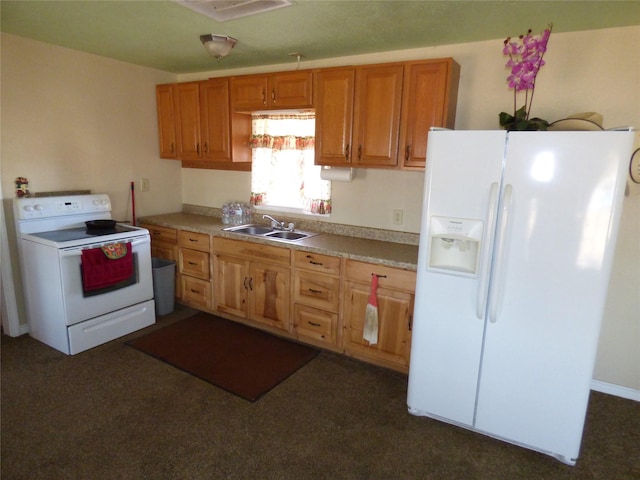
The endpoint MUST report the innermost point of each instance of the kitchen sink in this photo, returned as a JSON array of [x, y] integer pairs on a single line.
[[250, 229], [284, 235], [270, 233]]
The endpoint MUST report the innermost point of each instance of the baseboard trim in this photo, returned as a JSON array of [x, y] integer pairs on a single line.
[[617, 390]]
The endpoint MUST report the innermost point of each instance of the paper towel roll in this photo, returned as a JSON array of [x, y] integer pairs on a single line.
[[336, 174]]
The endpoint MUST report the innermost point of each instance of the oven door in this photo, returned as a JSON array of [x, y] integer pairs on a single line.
[[80, 305]]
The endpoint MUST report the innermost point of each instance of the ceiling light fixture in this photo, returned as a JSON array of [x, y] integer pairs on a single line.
[[218, 46]]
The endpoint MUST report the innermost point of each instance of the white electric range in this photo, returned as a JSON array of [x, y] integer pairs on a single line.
[[62, 312]]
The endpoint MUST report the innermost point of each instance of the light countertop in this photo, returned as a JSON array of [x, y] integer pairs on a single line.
[[388, 253]]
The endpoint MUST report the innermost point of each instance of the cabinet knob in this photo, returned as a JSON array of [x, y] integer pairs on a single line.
[[407, 153], [273, 95]]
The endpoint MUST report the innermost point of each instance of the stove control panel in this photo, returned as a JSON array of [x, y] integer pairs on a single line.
[[47, 207]]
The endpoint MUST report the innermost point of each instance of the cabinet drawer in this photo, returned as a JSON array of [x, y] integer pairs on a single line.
[[320, 291], [194, 263], [194, 241], [250, 250], [314, 323], [317, 262], [196, 291], [164, 234], [164, 250], [388, 277]]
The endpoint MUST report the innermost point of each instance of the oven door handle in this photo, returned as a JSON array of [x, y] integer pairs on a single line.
[[76, 252]]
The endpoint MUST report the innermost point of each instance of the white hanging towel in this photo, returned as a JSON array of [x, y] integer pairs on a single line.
[[370, 332]]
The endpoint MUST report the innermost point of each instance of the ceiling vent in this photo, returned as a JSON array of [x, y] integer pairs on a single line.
[[223, 10]]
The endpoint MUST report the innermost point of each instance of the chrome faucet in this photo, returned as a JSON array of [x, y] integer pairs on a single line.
[[279, 225], [274, 223]]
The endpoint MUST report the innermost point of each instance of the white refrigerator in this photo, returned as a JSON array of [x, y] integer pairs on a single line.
[[516, 245]]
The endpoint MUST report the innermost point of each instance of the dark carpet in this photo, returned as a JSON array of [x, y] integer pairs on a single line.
[[112, 413], [239, 359]]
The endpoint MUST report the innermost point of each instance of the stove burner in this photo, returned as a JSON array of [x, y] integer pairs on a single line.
[[96, 232]]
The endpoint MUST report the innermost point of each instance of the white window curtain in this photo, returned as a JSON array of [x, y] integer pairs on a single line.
[[283, 173]]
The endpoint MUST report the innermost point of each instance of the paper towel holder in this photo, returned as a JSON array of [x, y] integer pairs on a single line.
[[336, 174]]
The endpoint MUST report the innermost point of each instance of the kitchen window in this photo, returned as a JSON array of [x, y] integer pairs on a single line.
[[283, 174]]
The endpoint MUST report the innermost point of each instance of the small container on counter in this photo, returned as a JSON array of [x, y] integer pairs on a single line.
[[236, 213]]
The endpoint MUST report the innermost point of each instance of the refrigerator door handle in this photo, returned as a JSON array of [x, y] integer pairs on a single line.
[[496, 292], [481, 297]]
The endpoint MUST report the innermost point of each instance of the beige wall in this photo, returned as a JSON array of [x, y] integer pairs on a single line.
[[72, 120]]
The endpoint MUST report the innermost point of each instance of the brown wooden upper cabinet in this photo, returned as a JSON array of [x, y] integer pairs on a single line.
[[187, 106], [380, 115], [366, 116], [205, 132], [334, 115], [430, 95], [272, 91], [377, 115], [166, 121]]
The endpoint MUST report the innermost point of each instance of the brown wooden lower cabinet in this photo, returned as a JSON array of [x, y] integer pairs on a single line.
[[194, 265], [195, 292], [315, 298], [164, 244], [248, 285], [315, 324], [395, 295]]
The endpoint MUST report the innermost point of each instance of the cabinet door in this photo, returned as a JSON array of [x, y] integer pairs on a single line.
[[164, 250], [334, 116], [230, 285], [214, 110], [291, 90], [166, 121], [269, 296], [394, 323], [427, 102], [249, 92], [378, 99], [164, 244], [187, 99]]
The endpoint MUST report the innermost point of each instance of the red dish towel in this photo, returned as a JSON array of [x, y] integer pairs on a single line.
[[103, 267]]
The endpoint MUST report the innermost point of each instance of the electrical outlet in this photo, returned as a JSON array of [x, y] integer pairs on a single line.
[[144, 185], [397, 217]]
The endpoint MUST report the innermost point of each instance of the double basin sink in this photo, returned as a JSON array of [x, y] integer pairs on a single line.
[[269, 232]]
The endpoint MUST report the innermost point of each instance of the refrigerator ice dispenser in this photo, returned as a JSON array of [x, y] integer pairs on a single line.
[[454, 245]]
